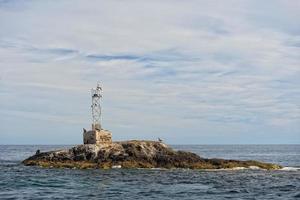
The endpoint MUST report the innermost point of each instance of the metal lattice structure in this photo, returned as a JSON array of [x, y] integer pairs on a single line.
[[96, 107]]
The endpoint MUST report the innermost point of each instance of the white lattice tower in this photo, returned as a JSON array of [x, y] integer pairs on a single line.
[[96, 107]]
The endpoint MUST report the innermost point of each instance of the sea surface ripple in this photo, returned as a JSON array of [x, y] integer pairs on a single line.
[[22, 182]]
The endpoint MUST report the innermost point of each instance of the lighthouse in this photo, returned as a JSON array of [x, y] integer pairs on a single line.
[[97, 135]]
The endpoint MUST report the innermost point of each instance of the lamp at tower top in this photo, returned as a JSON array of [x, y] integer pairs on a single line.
[[96, 107]]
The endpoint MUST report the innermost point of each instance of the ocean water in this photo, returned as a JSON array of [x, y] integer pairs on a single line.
[[23, 182]]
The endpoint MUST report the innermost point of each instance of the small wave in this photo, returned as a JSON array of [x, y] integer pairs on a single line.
[[290, 169], [153, 168], [116, 167], [157, 168], [236, 169], [246, 168]]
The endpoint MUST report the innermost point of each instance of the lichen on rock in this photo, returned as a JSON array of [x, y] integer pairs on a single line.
[[133, 154]]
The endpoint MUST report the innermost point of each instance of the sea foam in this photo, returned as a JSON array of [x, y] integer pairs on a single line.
[[290, 169]]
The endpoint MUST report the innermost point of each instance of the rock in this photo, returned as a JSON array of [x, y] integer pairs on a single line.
[[37, 152], [134, 154]]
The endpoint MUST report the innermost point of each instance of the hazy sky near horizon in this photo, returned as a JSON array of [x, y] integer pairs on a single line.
[[190, 72]]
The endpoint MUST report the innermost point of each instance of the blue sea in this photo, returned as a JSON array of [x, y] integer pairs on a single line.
[[23, 182]]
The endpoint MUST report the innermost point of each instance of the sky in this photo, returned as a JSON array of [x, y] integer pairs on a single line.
[[189, 72]]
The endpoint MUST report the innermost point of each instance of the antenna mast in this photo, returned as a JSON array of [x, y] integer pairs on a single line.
[[96, 107]]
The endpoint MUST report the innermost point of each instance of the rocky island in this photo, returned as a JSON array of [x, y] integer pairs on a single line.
[[134, 154], [99, 151]]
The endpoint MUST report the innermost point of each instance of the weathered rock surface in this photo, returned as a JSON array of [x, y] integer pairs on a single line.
[[133, 154]]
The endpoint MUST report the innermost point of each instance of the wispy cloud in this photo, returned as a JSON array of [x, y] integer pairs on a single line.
[[202, 68]]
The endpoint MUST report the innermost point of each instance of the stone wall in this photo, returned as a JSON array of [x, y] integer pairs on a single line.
[[97, 137]]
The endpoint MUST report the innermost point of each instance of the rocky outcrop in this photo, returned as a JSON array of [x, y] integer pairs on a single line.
[[133, 154]]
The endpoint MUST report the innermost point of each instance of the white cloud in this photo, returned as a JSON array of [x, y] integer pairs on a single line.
[[166, 66]]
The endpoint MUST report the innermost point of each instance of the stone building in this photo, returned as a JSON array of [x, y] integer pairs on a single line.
[[97, 137]]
